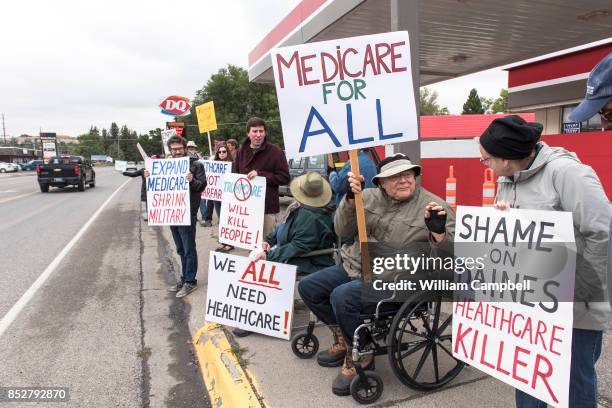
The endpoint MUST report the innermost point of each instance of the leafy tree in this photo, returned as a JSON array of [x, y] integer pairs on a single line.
[[151, 143], [429, 103], [486, 104], [89, 143], [236, 100], [473, 105], [500, 104]]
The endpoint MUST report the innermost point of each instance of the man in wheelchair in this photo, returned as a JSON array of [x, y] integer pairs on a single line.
[[399, 211]]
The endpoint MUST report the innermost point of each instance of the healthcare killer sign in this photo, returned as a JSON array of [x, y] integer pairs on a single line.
[[516, 324], [242, 211], [215, 172], [345, 94], [255, 296], [168, 192]]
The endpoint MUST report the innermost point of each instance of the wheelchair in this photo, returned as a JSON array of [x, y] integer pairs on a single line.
[[414, 334]]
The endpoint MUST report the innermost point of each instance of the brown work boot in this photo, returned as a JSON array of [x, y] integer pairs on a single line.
[[333, 356], [342, 382]]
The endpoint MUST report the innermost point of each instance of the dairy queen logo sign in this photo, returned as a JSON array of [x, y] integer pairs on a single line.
[[175, 106]]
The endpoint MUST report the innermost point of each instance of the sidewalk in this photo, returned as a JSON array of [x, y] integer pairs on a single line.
[[282, 380]]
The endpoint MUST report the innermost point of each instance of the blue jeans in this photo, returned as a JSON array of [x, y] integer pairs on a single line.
[[206, 209], [334, 298], [184, 239], [586, 348]]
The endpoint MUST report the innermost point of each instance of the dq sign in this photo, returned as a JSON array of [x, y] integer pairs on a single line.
[[175, 106]]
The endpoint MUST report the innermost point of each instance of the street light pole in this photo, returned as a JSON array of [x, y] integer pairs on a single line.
[[3, 129]]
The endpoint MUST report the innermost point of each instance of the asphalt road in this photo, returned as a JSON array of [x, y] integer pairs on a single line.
[[84, 327]]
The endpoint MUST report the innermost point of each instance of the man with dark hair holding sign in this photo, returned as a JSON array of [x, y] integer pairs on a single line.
[[399, 212], [258, 157], [538, 177], [184, 235]]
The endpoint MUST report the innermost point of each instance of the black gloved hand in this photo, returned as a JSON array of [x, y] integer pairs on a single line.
[[329, 170], [349, 190], [436, 223]]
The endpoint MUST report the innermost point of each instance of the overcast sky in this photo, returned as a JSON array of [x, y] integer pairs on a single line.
[[67, 65]]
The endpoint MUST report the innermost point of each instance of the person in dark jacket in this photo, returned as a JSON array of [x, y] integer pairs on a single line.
[[184, 235], [258, 157], [143, 188], [308, 227]]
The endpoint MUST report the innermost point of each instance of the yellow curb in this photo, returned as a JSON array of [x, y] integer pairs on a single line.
[[225, 380]]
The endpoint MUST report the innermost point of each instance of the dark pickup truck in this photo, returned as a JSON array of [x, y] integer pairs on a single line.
[[62, 171]]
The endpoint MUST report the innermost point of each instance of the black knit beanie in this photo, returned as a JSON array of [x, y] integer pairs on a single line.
[[511, 137]]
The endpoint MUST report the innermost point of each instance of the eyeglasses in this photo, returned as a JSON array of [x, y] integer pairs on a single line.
[[396, 178], [222, 151], [606, 114], [177, 150]]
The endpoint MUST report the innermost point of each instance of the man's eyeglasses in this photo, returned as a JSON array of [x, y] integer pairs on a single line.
[[408, 175], [178, 150]]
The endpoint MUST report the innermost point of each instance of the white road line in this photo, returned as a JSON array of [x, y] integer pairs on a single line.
[[6, 200], [12, 314]]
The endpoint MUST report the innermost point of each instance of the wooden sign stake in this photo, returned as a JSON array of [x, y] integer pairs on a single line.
[[366, 272]]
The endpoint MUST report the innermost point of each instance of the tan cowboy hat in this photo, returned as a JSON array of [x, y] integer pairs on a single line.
[[191, 143], [311, 189]]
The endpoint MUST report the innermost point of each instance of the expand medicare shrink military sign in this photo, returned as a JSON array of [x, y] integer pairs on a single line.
[[168, 192], [215, 172], [251, 296], [242, 211], [345, 94], [522, 337]]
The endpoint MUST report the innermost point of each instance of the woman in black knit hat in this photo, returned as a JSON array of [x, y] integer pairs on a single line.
[[536, 176]]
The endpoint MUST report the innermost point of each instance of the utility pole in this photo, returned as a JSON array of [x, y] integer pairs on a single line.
[[3, 129]]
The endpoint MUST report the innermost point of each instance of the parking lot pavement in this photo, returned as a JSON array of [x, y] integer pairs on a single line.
[[281, 379]]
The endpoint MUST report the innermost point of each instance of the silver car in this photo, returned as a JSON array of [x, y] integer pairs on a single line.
[[8, 167]]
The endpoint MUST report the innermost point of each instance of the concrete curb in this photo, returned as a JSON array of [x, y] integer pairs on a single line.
[[226, 381]]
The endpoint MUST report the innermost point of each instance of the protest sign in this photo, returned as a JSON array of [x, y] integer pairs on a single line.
[[242, 211], [345, 94], [205, 114], [168, 192], [165, 135], [251, 296], [523, 336], [120, 165], [215, 171]]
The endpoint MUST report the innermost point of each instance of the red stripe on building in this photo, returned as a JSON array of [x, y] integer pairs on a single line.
[[558, 67], [294, 19], [460, 126]]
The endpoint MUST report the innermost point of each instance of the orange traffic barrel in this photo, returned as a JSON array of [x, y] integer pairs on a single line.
[[451, 188], [488, 188]]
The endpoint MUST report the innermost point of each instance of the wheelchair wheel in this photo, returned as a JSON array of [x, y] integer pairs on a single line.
[[304, 345], [419, 343], [369, 391]]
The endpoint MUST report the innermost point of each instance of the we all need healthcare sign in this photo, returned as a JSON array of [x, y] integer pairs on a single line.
[[521, 336], [345, 94], [168, 192], [255, 296]]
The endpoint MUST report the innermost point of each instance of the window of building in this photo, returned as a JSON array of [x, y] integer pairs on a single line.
[[567, 126]]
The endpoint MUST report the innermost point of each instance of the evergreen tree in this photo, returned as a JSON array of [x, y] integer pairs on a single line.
[[473, 105]]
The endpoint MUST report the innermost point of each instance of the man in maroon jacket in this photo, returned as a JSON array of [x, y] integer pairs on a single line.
[[257, 157]]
